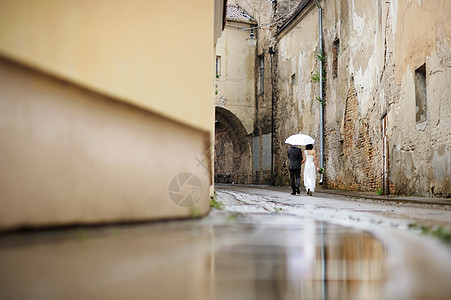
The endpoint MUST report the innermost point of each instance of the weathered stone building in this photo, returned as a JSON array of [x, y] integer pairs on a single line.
[[245, 94], [386, 92], [235, 99], [386, 89]]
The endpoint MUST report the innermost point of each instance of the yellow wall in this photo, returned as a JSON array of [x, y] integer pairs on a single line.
[[69, 156], [236, 85], [103, 104], [155, 54]]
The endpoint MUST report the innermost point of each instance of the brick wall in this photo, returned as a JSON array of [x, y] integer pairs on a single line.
[[360, 159]]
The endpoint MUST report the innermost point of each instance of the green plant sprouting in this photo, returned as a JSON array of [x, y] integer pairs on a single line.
[[320, 100], [316, 78], [215, 203], [232, 218], [321, 56], [194, 212], [277, 209], [440, 232]]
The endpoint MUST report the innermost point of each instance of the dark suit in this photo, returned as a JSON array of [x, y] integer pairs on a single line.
[[295, 156]]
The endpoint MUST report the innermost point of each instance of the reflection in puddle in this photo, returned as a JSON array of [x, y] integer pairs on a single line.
[[315, 261], [258, 257]]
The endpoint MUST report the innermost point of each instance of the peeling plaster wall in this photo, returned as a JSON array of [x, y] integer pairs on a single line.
[[350, 156], [419, 158], [380, 47], [352, 116], [296, 107], [363, 56]]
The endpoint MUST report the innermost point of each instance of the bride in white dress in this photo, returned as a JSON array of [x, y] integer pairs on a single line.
[[310, 169]]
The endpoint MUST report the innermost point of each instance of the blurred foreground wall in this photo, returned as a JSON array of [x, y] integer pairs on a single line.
[[105, 114]]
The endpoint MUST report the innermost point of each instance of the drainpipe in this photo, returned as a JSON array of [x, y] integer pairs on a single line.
[[271, 52], [321, 93]]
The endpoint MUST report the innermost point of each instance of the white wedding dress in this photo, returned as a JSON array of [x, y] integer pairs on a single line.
[[309, 173]]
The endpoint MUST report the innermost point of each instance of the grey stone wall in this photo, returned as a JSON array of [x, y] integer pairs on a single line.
[[371, 61], [374, 53]]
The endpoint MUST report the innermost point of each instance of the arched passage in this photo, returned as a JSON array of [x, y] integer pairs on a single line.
[[232, 149]]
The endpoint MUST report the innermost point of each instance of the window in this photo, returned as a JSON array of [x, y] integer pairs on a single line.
[[261, 74], [421, 97], [218, 66], [335, 53], [293, 87], [341, 147]]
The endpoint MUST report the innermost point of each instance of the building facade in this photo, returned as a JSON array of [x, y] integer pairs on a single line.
[[245, 94], [386, 90], [235, 99], [102, 119]]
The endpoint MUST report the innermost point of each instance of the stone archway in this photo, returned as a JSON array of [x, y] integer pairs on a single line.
[[232, 149]]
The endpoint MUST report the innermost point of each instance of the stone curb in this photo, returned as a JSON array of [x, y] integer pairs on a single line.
[[391, 198], [364, 195]]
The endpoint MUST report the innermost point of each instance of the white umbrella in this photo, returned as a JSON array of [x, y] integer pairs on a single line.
[[299, 140]]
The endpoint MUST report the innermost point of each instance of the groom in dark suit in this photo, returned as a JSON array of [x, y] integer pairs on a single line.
[[295, 156]]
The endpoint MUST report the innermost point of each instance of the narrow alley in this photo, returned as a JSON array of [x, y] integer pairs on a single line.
[[260, 243]]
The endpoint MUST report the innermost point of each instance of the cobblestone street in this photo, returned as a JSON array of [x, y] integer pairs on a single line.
[[263, 244]]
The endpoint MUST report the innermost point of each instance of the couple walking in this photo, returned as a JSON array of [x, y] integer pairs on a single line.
[[310, 168]]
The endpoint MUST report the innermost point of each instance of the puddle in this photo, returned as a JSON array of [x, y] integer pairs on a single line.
[[308, 260], [258, 256]]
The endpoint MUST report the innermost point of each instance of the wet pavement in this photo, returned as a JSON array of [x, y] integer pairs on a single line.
[[264, 244]]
